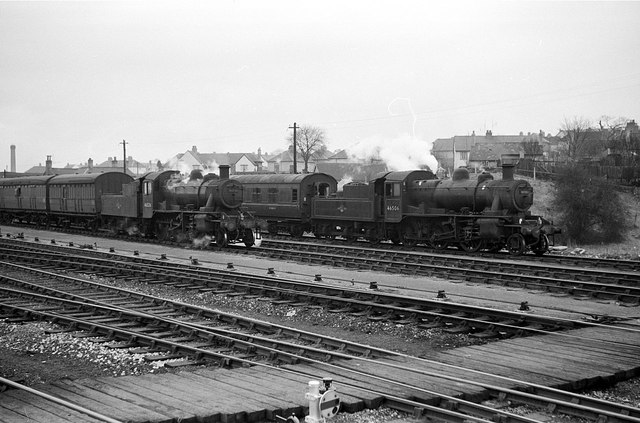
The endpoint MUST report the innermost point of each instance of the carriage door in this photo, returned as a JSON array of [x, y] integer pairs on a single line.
[[391, 204]]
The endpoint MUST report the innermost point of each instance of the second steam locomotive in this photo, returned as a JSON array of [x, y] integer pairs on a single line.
[[409, 207]]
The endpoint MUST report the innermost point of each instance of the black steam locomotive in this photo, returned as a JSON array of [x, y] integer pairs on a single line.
[[410, 207], [158, 204]]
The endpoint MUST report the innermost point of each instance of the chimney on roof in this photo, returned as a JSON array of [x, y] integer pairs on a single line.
[[48, 170], [13, 158], [194, 149], [90, 164], [489, 134], [114, 162]]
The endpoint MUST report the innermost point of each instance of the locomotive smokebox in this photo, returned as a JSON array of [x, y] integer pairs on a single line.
[[224, 171], [509, 162]]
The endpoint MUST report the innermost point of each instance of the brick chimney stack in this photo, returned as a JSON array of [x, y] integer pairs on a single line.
[[48, 166], [13, 158]]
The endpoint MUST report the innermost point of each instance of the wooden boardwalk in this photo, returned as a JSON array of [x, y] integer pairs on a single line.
[[259, 394]]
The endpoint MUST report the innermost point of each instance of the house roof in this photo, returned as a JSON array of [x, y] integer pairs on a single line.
[[40, 170], [340, 155], [493, 152], [466, 142]]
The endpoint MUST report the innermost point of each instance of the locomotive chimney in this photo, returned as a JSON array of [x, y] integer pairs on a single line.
[[509, 162], [13, 158], [224, 171]]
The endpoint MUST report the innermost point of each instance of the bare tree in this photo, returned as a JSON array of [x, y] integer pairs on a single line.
[[622, 137], [310, 142], [575, 137], [532, 148]]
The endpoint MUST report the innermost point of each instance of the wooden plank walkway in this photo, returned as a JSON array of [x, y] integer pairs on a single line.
[[259, 394]]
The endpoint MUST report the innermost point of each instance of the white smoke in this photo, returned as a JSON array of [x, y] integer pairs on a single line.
[[212, 167], [345, 180], [202, 242], [402, 153]]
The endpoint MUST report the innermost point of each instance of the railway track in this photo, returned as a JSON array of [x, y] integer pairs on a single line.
[[480, 322], [551, 258], [124, 319], [596, 282], [272, 241]]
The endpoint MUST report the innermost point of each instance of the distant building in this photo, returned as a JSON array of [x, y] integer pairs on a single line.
[[483, 152], [209, 162]]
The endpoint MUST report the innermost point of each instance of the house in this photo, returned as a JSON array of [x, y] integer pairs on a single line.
[[283, 162], [209, 162], [134, 167], [484, 151]]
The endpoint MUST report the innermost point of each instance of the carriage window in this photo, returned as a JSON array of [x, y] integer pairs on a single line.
[[294, 195], [18, 192], [256, 195], [147, 188], [273, 195]]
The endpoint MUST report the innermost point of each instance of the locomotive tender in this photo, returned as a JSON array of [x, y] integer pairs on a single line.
[[410, 207], [157, 204]]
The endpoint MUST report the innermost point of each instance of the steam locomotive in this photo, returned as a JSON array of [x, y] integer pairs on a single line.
[[158, 204], [409, 207]]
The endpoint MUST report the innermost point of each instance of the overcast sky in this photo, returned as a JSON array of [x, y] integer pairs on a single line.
[[76, 78]]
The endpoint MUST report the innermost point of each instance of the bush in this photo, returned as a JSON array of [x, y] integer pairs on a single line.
[[590, 208]]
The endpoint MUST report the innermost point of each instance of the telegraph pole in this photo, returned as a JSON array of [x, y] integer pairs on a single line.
[[124, 152], [295, 148]]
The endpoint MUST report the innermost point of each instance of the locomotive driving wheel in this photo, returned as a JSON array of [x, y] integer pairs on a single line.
[[248, 238], [222, 238], [542, 246], [471, 245], [435, 241], [516, 244]]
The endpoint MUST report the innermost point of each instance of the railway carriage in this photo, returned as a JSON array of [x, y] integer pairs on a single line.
[[285, 200], [24, 198], [77, 199]]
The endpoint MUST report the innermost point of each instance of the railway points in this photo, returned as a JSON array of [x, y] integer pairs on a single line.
[[544, 359]]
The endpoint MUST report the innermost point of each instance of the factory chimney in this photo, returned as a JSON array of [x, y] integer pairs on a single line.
[[13, 158], [48, 166]]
